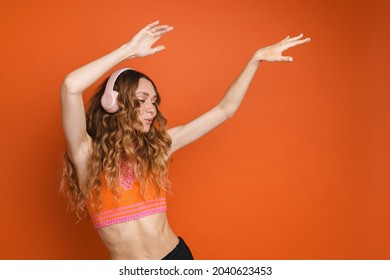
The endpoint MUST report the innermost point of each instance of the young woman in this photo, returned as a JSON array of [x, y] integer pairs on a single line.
[[116, 162]]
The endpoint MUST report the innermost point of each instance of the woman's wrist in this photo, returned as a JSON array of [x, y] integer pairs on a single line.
[[128, 51], [255, 60], [258, 55]]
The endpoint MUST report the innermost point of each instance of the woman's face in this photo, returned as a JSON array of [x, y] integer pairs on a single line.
[[147, 97]]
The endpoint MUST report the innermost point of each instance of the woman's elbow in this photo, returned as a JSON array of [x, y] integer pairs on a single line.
[[68, 86], [227, 111]]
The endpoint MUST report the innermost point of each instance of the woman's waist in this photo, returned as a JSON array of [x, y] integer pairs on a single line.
[[147, 238]]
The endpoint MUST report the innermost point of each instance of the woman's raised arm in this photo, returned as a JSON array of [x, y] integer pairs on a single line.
[[185, 134], [73, 114]]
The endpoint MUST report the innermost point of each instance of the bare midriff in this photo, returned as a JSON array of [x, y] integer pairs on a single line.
[[148, 238]]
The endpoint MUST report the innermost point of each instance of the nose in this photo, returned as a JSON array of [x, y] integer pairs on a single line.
[[150, 108]]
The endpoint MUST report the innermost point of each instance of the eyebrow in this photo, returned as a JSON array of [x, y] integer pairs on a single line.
[[146, 94]]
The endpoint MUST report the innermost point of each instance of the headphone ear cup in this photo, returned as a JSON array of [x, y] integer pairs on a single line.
[[109, 102], [109, 98]]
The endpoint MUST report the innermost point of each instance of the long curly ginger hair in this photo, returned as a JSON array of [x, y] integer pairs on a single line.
[[119, 137]]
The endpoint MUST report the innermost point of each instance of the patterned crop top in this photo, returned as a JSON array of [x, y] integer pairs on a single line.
[[131, 204]]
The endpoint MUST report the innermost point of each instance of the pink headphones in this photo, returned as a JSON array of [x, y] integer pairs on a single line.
[[109, 97]]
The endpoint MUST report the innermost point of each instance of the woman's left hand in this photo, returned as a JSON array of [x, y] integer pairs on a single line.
[[274, 53], [141, 44]]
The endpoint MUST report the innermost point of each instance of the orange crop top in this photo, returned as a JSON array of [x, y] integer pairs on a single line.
[[131, 205]]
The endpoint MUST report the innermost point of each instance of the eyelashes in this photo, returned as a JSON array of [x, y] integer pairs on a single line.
[[155, 103]]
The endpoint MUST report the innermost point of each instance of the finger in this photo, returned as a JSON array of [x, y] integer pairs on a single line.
[[163, 31], [295, 38], [158, 48], [285, 39], [151, 25], [296, 43], [286, 58], [158, 28]]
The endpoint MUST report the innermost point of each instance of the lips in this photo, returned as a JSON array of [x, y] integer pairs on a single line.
[[148, 121]]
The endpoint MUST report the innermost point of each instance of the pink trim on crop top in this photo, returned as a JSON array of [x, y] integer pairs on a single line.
[[131, 204]]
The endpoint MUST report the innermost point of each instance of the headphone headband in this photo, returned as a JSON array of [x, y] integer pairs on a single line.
[[109, 97]]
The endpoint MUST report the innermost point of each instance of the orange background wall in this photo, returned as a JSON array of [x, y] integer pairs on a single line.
[[300, 172]]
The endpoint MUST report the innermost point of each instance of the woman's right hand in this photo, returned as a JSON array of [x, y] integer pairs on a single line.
[[141, 44]]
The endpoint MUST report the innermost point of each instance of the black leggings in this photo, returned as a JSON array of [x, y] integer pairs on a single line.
[[180, 252]]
